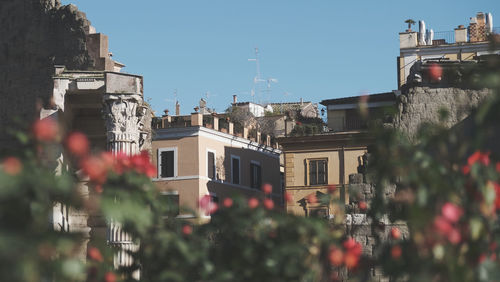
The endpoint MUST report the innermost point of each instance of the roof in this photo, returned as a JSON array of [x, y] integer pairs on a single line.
[[380, 97]]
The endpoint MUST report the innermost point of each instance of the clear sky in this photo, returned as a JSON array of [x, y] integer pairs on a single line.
[[316, 49]]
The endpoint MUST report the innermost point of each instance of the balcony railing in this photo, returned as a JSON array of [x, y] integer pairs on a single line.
[[448, 37]]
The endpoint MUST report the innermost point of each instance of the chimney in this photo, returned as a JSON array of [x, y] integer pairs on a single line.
[[460, 34], [235, 99], [216, 121], [196, 118], [177, 108], [301, 101], [245, 132], [259, 137], [231, 128]]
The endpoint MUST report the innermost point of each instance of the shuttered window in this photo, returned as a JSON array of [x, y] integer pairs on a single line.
[[318, 172], [235, 170], [255, 176], [167, 164], [211, 165]]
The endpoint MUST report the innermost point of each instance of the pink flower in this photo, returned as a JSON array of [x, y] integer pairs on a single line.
[[95, 169], [45, 130], [228, 202], [207, 205], [454, 236], [12, 166], [268, 204], [451, 212], [435, 72], [288, 197], [442, 225], [312, 199], [395, 233], [483, 158], [77, 144], [267, 188], [187, 230], [95, 254], [253, 203], [110, 277], [396, 252], [336, 256], [362, 206]]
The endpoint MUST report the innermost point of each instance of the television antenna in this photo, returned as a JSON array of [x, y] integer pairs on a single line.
[[257, 81]]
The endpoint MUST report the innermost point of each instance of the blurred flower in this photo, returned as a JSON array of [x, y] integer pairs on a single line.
[[228, 202], [12, 166], [395, 233], [94, 254], [77, 144], [207, 205], [351, 260], [435, 72], [288, 197], [110, 277], [498, 167], [45, 130], [336, 256], [465, 169], [187, 229], [396, 252], [451, 212], [312, 199], [362, 206], [454, 236], [267, 188], [268, 204], [442, 225], [95, 169], [253, 203], [331, 188], [478, 156]]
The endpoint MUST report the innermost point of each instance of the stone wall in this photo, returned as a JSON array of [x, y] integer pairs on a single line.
[[421, 104], [35, 36]]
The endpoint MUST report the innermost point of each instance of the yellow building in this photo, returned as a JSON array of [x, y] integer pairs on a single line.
[[197, 157]]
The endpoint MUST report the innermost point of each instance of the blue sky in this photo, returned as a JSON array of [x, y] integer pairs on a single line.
[[315, 49]]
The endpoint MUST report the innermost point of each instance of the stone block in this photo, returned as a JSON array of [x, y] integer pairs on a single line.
[[123, 84], [355, 178]]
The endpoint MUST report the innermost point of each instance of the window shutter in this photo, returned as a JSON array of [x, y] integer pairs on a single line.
[[211, 166], [236, 171], [167, 164]]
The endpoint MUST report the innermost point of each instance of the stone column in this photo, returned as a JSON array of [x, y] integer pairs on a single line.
[[123, 115]]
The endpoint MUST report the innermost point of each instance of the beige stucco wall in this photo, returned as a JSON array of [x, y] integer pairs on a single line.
[[351, 161], [187, 154]]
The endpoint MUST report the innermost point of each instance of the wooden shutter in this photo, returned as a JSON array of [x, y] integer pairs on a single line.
[[167, 164], [211, 165]]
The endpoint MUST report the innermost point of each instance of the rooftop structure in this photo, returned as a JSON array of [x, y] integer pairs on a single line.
[[461, 44]]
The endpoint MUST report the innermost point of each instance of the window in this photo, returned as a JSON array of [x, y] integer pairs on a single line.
[[317, 172], [211, 165], [235, 169], [169, 203], [167, 160], [255, 175]]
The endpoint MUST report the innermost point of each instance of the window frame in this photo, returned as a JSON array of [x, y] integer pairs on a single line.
[[256, 163], [215, 164], [167, 149], [308, 171], [234, 157]]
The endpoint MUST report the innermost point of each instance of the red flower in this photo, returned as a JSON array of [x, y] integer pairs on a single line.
[[465, 169], [435, 72], [95, 168], [45, 130], [253, 203], [312, 199], [187, 229], [451, 212], [395, 233], [267, 188], [94, 254], [483, 158], [110, 277], [288, 197], [362, 206], [12, 166], [77, 144], [268, 204], [228, 202], [498, 167], [351, 260], [208, 205], [349, 243], [396, 252], [442, 225], [336, 256], [454, 236], [331, 188]]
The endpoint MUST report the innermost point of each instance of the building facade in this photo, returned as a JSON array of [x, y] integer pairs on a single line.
[[195, 159]]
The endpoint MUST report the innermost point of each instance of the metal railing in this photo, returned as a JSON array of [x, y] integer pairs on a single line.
[[448, 37]]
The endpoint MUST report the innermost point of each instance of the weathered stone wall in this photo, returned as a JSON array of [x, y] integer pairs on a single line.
[[420, 104], [35, 35]]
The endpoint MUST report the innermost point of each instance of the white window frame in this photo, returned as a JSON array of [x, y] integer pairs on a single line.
[[167, 149], [239, 169], [215, 163]]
